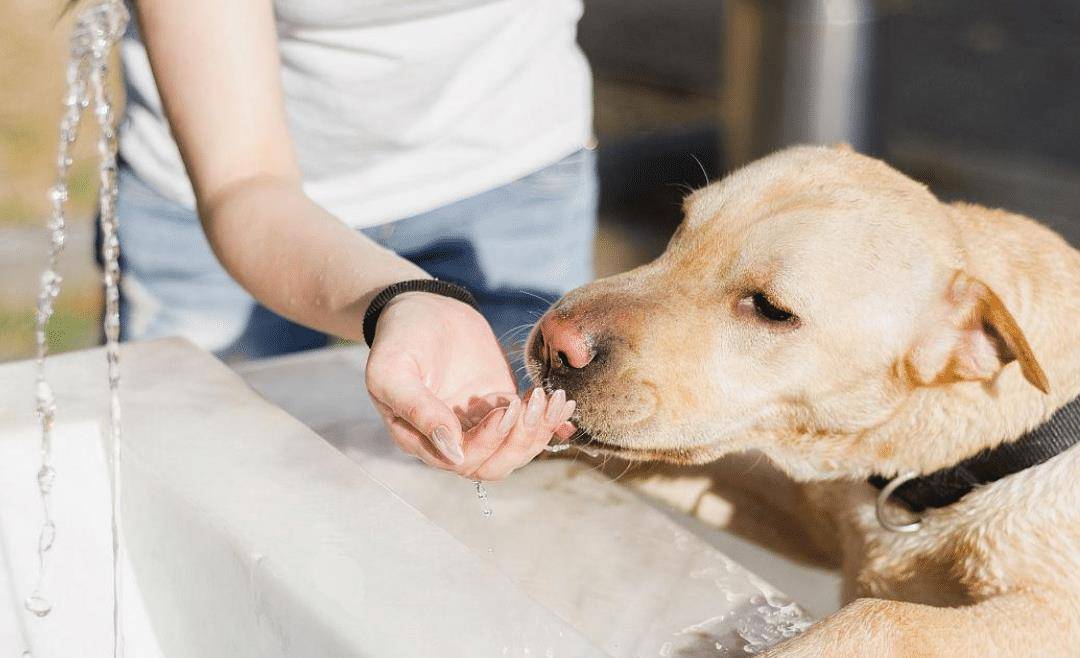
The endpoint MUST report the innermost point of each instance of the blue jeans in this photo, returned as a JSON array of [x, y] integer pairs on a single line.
[[517, 248]]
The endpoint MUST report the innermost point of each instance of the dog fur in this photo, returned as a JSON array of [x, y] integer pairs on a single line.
[[923, 333]]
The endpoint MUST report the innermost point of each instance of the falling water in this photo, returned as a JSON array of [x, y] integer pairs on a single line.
[[482, 496], [75, 101], [111, 19], [97, 29], [481, 490]]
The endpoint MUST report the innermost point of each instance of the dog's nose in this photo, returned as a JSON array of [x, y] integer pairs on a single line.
[[565, 345]]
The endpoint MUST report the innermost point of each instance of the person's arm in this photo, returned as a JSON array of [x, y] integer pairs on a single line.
[[217, 68], [435, 361]]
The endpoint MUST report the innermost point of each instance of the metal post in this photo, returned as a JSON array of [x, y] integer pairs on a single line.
[[796, 71]]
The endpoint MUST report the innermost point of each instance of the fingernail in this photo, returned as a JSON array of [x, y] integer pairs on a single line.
[[555, 406], [509, 417], [569, 411], [445, 444], [535, 408]]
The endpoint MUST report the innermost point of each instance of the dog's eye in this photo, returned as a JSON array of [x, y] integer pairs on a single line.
[[770, 311]]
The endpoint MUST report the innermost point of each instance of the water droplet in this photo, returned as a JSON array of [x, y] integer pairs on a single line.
[[46, 477], [557, 447], [37, 604], [482, 495], [47, 536], [58, 193], [45, 398]]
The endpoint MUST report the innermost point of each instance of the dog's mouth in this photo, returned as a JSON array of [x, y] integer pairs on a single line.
[[584, 440], [596, 444]]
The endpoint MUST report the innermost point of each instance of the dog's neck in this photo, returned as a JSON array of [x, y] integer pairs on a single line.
[[948, 485]]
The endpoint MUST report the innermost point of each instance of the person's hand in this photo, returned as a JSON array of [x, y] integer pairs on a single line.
[[443, 386]]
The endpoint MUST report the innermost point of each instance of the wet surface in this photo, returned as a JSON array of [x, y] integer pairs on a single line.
[[631, 580]]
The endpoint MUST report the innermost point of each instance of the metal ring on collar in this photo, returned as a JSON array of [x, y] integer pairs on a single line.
[[883, 499]]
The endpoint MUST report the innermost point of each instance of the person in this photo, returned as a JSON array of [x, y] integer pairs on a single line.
[[283, 162]]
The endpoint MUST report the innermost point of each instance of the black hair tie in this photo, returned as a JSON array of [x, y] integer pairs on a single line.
[[434, 286]]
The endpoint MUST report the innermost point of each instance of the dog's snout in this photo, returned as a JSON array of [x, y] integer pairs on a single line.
[[565, 346]]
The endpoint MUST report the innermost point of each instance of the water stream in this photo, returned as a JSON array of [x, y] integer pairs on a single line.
[[97, 29]]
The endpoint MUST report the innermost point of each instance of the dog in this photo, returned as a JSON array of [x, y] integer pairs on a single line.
[[892, 356]]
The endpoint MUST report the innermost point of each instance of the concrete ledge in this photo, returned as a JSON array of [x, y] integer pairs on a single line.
[[251, 536]]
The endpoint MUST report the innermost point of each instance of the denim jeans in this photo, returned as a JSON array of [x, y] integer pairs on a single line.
[[517, 248]]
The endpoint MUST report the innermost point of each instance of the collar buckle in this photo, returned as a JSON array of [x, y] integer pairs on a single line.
[[882, 503]]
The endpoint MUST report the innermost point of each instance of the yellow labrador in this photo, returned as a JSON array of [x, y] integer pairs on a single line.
[[912, 366]]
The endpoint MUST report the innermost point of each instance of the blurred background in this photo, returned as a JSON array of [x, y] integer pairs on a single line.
[[977, 98]]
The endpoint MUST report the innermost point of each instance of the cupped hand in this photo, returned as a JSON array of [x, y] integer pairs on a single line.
[[443, 386]]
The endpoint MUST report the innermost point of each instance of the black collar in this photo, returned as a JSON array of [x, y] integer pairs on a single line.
[[948, 485]]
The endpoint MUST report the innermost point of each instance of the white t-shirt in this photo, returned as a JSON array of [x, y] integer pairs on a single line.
[[397, 107]]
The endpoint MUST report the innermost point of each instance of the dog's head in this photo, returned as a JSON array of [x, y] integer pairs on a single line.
[[802, 299]]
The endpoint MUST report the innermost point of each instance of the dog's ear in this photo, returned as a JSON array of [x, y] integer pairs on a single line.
[[975, 340]]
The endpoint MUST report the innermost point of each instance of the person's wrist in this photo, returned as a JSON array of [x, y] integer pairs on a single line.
[[438, 297], [426, 298]]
